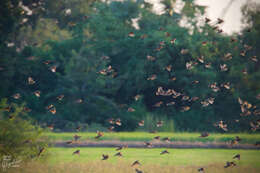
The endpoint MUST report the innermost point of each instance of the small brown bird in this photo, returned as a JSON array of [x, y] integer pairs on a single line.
[[185, 108], [220, 21], [150, 58], [166, 139], [137, 97], [31, 81], [118, 154], [131, 34], [51, 127], [8, 108], [201, 170], [99, 134], [60, 97], [238, 139], [148, 144], [159, 124], [16, 96], [207, 20], [229, 164], [130, 109], [69, 142], [41, 151], [152, 77], [141, 123], [105, 156], [111, 121], [204, 134], [233, 142], [110, 129], [158, 104], [76, 137], [78, 128], [138, 171], [53, 110], [157, 137], [53, 68], [37, 93], [76, 152], [118, 122], [136, 163], [237, 156], [164, 152]]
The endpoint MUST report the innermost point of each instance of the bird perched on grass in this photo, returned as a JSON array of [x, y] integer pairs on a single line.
[[76, 137], [237, 156], [229, 164], [69, 142], [118, 154], [148, 144], [41, 151], [157, 137], [201, 170], [166, 139], [76, 152], [164, 152], [99, 134], [204, 134], [138, 171], [105, 156]]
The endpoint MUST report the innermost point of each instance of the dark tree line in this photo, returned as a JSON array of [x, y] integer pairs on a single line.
[[78, 62]]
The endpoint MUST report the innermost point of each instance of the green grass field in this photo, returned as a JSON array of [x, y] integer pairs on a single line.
[[178, 161], [177, 157], [144, 136]]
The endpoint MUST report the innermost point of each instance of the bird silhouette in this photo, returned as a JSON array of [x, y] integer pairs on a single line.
[[204, 134], [118, 154], [148, 144], [135, 163], [76, 152], [138, 171], [105, 156], [201, 170], [76, 137], [41, 151], [237, 156], [164, 152], [229, 164]]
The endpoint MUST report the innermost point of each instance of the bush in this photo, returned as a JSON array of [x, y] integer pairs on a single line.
[[19, 138]]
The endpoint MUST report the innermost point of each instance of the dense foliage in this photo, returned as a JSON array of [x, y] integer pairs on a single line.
[[20, 140], [82, 62]]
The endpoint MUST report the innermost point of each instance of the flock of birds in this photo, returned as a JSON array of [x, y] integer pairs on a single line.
[[246, 107], [137, 163]]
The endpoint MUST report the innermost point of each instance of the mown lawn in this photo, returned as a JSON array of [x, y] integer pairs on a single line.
[[144, 136], [177, 157], [61, 160]]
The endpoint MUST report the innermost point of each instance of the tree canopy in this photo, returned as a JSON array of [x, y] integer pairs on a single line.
[[78, 61]]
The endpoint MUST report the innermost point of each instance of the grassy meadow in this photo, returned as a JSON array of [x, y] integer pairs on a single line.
[[178, 161], [144, 136]]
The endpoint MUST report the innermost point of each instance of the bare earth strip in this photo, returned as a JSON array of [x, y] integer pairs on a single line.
[[155, 144]]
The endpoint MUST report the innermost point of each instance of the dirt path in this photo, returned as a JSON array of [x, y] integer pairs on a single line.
[[155, 144]]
